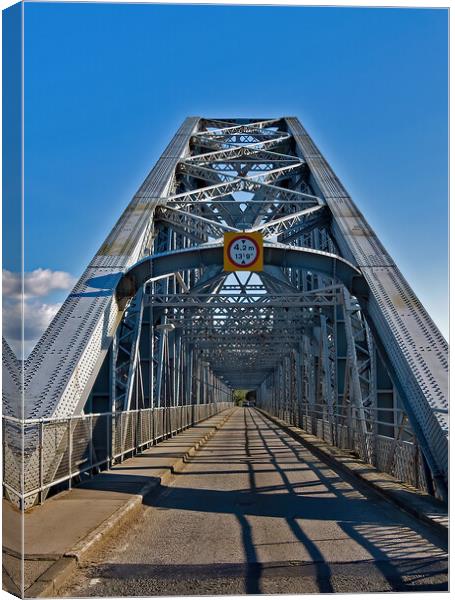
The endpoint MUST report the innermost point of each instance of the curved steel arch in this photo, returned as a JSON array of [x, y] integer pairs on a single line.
[[280, 255], [212, 254]]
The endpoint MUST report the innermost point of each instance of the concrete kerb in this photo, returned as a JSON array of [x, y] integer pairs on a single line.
[[418, 504], [49, 582]]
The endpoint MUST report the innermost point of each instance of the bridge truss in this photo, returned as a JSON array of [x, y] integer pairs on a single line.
[[329, 334]]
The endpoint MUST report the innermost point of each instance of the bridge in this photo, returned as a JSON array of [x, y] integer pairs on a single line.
[[242, 263]]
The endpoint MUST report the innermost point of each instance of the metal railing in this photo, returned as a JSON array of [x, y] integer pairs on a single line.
[[401, 458], [39, 454]]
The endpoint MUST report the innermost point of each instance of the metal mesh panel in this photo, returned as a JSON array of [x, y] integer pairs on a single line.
[[12, 454], [80, 455], [399, 458], [406, 462], [116, 434], [186, 415], [127, 431], [58, 449], [326, 431], [145, 427], [173, 419], [31, 462], [55, 451], [101, 432], [159, 423], [344, 441], [178, 421]]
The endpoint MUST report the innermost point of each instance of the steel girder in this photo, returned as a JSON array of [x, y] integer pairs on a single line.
[[286, 257], [254, 301]]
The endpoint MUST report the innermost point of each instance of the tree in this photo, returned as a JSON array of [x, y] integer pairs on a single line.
[[238, 397]]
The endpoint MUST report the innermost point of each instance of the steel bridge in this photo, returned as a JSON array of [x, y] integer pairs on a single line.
[[156, 335]]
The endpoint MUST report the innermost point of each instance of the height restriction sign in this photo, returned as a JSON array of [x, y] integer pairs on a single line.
[[243, 251]]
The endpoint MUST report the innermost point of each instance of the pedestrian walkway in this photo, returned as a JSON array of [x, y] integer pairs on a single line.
[[256, 512], [69, 521]]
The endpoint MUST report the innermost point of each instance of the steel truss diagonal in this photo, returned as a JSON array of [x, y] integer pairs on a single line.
[[329, 335]]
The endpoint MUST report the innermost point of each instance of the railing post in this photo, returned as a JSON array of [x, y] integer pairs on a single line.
[[138, 439], [108, 446], [4, 472], [70, 454], [136, 431], [41, 461], [3, 451], [416, 463], [152, 417], [113, 431], [121, 437], [91, 443], [141, 440]]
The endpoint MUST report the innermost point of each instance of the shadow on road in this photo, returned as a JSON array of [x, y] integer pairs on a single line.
[[261, 447]]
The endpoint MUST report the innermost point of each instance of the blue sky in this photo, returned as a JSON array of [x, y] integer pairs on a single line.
[[106, 86]]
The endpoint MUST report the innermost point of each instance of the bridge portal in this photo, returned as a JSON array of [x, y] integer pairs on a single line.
[[326, 330]]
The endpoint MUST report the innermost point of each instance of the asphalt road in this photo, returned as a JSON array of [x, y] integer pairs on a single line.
[[255, 512]]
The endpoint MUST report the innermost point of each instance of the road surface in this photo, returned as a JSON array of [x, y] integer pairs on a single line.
[[255, 512]]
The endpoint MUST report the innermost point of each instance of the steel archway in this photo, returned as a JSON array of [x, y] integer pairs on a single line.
[[277, 255]]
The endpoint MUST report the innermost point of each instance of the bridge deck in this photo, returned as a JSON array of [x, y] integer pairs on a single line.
[[255, 512]]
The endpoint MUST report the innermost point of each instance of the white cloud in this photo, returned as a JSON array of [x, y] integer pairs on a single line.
[[37, 314], [39, 282], [37, 317]]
